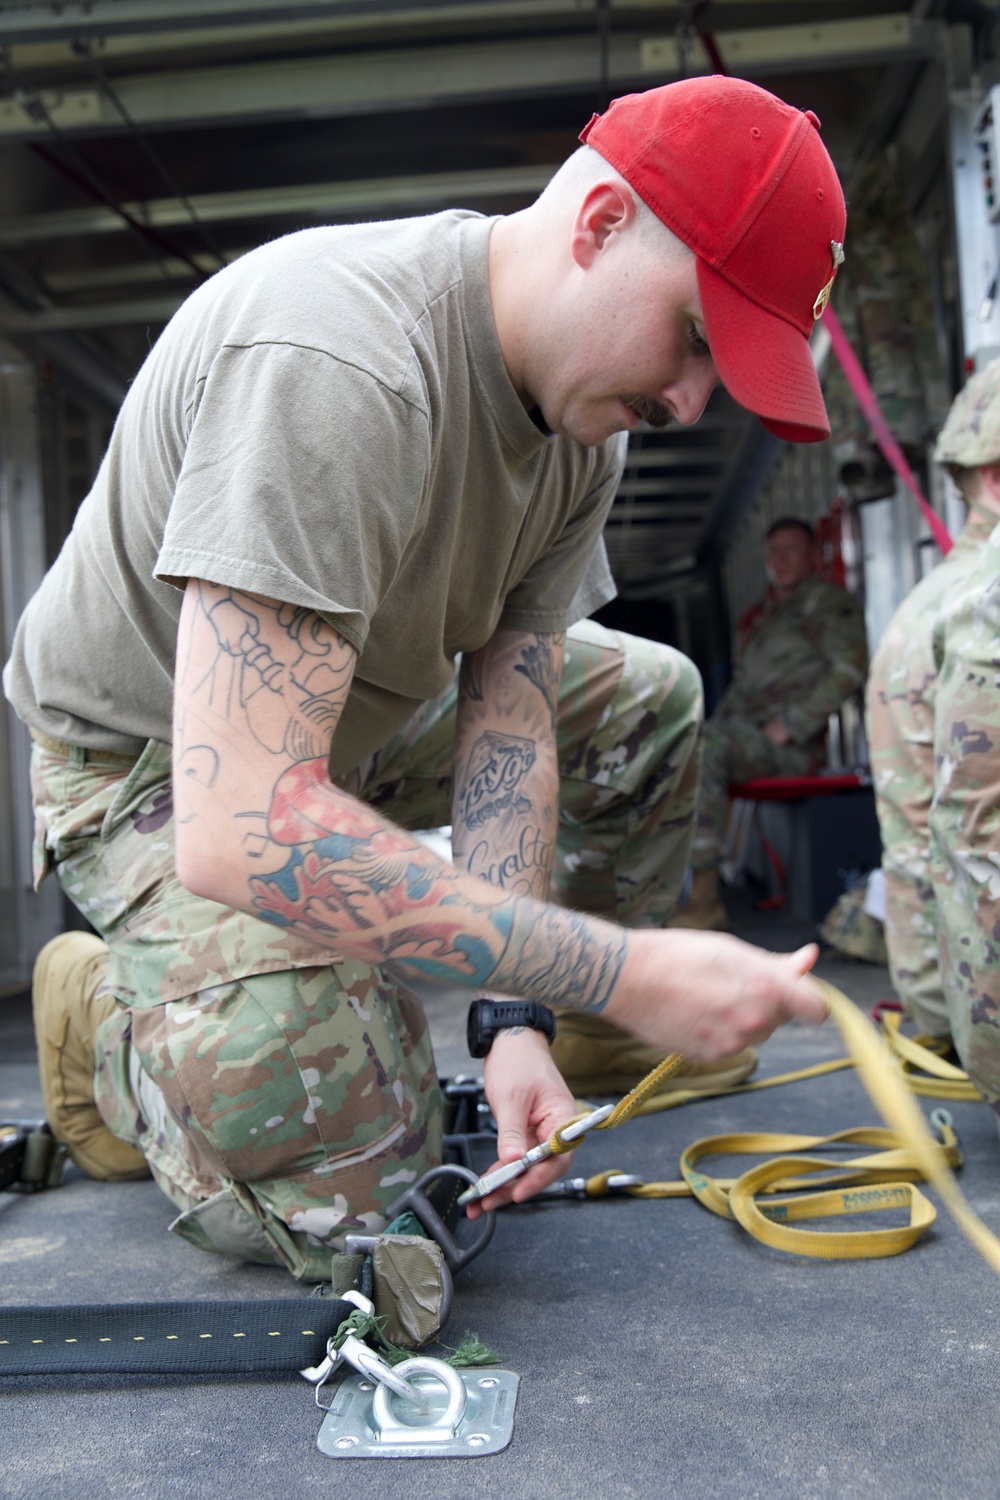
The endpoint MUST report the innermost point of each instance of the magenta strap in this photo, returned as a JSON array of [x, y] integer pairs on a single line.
[[866, 398]]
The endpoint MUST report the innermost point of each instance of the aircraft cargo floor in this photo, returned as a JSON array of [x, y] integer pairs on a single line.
[[662, 1352]]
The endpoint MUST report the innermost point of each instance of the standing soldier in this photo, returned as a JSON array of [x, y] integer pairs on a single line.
[[965, 813], [900, 708]]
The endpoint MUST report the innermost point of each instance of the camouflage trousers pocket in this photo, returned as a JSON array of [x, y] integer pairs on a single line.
[[225, 1225]]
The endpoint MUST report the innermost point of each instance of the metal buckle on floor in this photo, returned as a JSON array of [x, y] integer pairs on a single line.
[[31, 1158], [422, 1408]]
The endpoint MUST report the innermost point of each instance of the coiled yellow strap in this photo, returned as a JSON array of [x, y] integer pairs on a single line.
[[897, 1106], [864, 1184]]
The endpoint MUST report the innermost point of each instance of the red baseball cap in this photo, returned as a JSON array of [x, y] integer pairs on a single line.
[[745, 181]]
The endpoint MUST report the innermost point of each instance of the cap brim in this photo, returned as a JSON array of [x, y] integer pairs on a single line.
[[764, 363]]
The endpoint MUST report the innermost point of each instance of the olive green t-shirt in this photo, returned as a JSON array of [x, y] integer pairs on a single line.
[[327, 422]]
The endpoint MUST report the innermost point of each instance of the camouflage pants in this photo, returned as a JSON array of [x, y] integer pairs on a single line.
[[965, 820], [282, 1094], [736, 749]]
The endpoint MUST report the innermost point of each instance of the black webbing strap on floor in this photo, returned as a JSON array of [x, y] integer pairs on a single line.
[[169, 1338]]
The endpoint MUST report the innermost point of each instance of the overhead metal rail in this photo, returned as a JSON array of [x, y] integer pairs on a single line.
[[423, 76], [27, 21], [318, 201], [39, 20]]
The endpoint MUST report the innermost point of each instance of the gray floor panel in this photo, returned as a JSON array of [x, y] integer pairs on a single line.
[[661, 1351]]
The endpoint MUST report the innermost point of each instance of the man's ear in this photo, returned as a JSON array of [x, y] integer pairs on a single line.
[[607, 208]]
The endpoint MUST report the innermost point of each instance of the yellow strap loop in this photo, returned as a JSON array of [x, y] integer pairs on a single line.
[[907, 1150], [927, 1072], [658, 1102], [894, 1102]]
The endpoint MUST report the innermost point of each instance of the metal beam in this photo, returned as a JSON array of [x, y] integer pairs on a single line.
[[92, 315], [405, 78], [696, 484], [824, 45], [42, 21], [670, 511], [317, 200], [676, 456]]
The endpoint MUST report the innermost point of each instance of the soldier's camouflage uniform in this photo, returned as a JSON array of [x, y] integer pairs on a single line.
[[883, 299], [900, 703], [337, 1110], [965, 818], [804, 656]]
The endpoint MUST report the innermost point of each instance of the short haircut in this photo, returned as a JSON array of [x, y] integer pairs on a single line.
[[783, 523], [585, 167]]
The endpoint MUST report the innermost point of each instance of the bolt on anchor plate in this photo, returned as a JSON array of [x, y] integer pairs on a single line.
[[464, 1414]]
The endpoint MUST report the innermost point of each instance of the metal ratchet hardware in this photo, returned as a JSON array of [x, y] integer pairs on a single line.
[[482, 1186]]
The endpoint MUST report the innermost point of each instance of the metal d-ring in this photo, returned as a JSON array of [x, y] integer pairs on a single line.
[[393, 1429]]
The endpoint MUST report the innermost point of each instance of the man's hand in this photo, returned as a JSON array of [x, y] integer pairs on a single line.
[[707, 994], [777, 732], [530, 1100]]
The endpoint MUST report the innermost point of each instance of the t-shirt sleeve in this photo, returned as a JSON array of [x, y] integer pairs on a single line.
[[301, 479], [571, 578]]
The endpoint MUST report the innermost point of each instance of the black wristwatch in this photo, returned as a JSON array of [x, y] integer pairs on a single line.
[[487, 1017]]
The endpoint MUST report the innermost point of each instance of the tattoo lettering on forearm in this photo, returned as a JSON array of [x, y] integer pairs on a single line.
[[497, 767], [541, 664], [519, 869], [559, 958]]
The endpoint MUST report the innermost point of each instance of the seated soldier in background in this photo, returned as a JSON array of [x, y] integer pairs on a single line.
[[900, 707], [805, 653]]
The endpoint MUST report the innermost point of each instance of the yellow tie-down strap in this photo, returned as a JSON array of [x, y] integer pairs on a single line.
[[906, 1150], [925, 1069]]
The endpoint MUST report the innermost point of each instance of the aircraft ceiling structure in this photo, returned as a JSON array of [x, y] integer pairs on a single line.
[[144, 143]]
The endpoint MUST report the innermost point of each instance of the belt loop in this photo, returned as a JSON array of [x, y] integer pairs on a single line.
[[77, 757]]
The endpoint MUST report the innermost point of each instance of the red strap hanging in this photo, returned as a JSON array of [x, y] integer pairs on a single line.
[[867, 400]]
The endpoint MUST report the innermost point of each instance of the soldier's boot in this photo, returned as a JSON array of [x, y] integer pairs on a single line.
[[704, 909], [596, 1057], [68, 1012]]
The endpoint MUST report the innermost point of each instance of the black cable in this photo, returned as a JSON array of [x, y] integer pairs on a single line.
[[83, 176], [82, 49]]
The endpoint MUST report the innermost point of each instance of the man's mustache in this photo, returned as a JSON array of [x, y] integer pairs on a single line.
[[650, 410]]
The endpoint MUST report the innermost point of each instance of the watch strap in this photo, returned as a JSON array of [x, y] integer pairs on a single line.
[[487, 1017]]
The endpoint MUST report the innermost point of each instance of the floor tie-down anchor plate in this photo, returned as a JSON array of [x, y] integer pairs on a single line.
[[466, 1413]]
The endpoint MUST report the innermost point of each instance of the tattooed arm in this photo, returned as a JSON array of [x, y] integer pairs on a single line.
[[505, 806], [506, 793], [259, 689]]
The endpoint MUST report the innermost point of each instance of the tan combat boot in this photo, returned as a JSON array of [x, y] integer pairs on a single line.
[[704, 909], [68, 1012], [595, 1057]]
